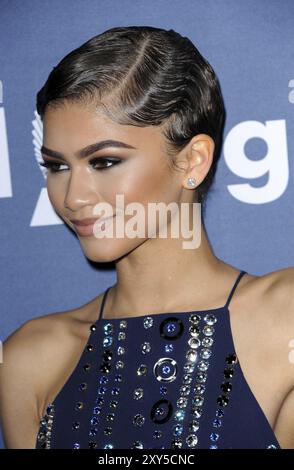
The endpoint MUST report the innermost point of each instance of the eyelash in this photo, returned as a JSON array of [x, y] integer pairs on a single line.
[[51, 166]]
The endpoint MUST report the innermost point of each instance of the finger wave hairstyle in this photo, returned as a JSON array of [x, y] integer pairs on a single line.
[[144, 76]]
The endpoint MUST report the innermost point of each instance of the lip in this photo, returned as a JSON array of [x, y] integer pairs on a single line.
[[84, 221], [85, 227]]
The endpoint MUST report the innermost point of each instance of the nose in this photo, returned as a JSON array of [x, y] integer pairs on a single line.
[[81, 191]]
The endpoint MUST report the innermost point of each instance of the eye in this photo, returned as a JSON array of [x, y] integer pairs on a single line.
[[55, 167], [110, 162]]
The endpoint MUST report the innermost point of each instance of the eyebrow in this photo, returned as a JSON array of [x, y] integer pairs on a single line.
[[89, 150]]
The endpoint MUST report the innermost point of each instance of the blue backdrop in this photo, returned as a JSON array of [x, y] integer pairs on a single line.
[[249, 215]]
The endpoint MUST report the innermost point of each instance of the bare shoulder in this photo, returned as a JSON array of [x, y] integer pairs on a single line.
[[262, 320], [37, 357], [276, 290], [267, 303], [270, 294], [281, 297], [280, 305], [276, 286], [281, 289]]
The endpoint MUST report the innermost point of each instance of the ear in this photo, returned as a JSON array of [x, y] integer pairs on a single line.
[[198, 157]]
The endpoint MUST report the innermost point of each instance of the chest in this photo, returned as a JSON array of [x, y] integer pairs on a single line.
[[173, 381]]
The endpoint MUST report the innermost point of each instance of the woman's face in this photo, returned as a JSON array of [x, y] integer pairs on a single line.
[[77, 185]]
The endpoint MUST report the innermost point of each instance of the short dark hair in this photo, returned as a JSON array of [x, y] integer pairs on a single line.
[[142, 76]]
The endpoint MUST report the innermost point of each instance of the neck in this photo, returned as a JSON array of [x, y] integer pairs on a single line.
[[161, 276]]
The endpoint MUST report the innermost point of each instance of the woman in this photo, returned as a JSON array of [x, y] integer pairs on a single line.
[[185, 350]]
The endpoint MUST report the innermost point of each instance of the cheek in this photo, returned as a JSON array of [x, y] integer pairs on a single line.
[[145, 183], [143, 186], [55, 192]]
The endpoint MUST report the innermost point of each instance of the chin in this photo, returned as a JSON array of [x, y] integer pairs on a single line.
[[107, 251]]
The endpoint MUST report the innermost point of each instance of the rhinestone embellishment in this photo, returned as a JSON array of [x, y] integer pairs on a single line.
[[45, 431], [165, 369], [171, 328], [223, 399]]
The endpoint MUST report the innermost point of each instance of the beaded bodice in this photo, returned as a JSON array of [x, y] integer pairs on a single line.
[[167, 380]]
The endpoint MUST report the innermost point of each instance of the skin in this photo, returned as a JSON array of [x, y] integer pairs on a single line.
[[261, 310]]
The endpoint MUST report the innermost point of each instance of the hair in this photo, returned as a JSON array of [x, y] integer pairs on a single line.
[[143, 76]]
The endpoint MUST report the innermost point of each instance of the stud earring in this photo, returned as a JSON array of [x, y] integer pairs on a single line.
[[191, 182]]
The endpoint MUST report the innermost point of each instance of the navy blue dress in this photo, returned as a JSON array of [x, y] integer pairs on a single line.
[[159, 381]]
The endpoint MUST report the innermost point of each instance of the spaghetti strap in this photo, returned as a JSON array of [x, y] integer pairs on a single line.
[[241, 273], [103, 303]]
